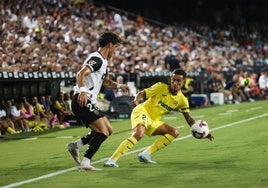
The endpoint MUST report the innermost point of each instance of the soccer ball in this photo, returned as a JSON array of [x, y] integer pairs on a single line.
[[200, 129]]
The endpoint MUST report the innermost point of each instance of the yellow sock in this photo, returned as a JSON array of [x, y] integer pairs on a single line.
[[160, 143], [124, 147], [10, 130]]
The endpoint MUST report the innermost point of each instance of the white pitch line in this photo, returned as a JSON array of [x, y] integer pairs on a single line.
[[131, 152], [231, 111], [34, 138]]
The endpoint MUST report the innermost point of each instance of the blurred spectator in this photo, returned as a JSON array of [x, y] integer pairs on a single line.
[[171, 61], [28, 112], [188, 89], [237, 90], [62, 110], [118, 23], [139, 21], [111, 94], [212, 83], [29, 21], [254, 89], [63, 32], [46, 103], [39, 110], [19, 120], [6, 125], [67, 100], [55, 35], [263, 83], [227, 93], [246, 83]]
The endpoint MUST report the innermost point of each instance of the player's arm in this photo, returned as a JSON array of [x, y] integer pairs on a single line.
[[190, 120], [80, 79], [108, 83], [140, 95], [148, 93]]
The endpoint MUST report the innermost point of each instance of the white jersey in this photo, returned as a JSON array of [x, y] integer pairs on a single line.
[[3, 113], [263, 82], [15, 112], [93, 82]]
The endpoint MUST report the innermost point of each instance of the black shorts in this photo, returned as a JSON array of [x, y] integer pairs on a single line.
[[88, 114]]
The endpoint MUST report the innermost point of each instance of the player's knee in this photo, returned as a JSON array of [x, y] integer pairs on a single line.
[[175, 133], [138, 136]]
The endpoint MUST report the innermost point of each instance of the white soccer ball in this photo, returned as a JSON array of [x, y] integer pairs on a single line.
[[200, 129]]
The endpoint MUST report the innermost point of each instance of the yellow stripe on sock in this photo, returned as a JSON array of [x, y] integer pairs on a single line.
[[160, 143], [124, 147]]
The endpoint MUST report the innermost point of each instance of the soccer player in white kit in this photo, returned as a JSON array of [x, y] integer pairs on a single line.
[[91, 77]]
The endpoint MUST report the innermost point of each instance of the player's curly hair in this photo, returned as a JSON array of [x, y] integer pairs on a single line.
[[109, 37]]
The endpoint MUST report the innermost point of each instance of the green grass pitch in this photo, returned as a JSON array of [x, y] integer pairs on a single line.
[[238, 157]]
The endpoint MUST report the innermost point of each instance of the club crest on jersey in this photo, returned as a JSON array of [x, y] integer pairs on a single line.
[[92, 62], [175, 103], [96, 112]]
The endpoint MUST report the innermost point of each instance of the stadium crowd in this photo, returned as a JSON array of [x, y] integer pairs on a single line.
[[37, 114], [57, 35]]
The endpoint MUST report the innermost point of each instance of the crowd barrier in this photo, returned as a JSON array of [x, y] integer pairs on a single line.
[[13, 85], [16, 84]]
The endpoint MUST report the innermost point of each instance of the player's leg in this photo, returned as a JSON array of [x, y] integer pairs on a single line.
[[126, 145], [139, 122], [168, 133], [75, 146], [102, 129]]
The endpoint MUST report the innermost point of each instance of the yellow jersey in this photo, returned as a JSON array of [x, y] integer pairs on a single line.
[[160, 101]]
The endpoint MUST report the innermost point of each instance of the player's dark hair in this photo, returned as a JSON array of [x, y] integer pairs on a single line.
[[108, 37], [179, 72]]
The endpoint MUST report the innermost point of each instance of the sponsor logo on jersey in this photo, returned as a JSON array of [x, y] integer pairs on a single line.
[[164, 105]]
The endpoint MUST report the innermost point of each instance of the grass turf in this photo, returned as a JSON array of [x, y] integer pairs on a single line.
[[236, 158]]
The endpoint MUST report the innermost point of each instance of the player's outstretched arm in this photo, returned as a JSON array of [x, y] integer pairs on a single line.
[[190, 120], [108, 83], [140, 95]]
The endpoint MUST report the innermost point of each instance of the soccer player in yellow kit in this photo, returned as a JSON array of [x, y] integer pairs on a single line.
[[160, 99]]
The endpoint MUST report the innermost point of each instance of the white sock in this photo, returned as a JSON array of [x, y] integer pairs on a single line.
[[145, 152], [85, 161], [79, 143]]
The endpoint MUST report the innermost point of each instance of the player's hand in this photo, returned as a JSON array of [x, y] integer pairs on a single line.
[[134, 103], [125, 89], [210, 137], [82, 99]]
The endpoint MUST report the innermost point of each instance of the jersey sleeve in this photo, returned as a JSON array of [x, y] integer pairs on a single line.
[[184, 104], [94, 63], [153, 90]]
